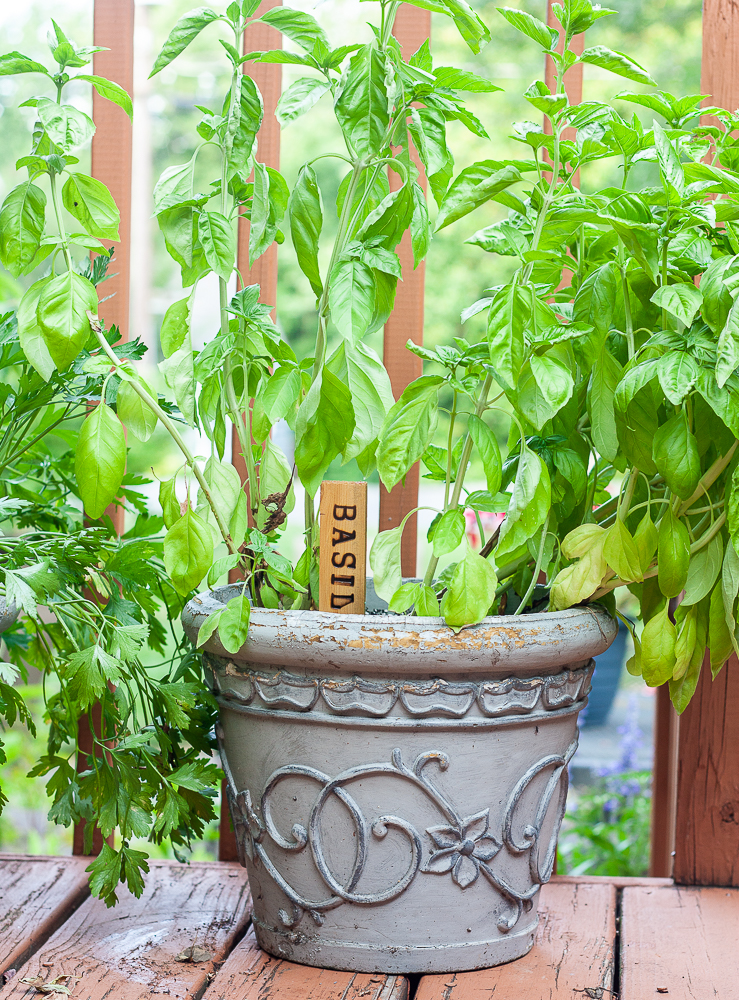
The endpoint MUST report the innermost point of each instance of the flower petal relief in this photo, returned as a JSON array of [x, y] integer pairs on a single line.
[[461, 849]]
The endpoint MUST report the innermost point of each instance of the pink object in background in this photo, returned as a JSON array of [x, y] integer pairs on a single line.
[[489, 523]]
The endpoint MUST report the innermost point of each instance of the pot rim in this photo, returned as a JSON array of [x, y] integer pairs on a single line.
[[306, 641], [8, 614]]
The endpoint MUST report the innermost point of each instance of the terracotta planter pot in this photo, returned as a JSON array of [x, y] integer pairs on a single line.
[[397, 789]]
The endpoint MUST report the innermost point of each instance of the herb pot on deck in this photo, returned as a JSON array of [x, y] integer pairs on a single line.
[[397, 789]]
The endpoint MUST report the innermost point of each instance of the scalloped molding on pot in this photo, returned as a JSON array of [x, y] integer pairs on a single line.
[[283, 691]]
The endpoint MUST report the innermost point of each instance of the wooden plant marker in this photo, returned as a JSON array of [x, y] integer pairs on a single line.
[[343, 514]]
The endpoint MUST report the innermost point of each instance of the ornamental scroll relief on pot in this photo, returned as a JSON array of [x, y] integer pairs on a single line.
[[462, 847]]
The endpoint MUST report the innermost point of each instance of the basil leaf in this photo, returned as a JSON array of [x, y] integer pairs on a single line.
[[673, 554], [675, 453], [705, 566], [489, 451], [727, 359], [621, 553], [372, 398], [300, 97], [100, 460], [188, 552], [91, 203], [65, 125], [529, 504], [531, 26], [268, 207], [168, 501], [681, 300], [187, 28], [29, 332], [385, 562], [404, 597], [224, 485], [509, 312], [306, 221], [719, 635], [351, 298], [670, 167], [324, 424], [233, 627], [408, 429], [471, 591], [658, 649], [133, 412], [21, 226], [616, 62], [362, 105], [678, 373], [474, 186], [218, 240], [447, 533], [298, 25], [110, 91], [15, 62], [601, 394], [62, 316], [646, 540]]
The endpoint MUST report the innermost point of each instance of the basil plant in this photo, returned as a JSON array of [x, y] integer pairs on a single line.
[[247, 377], [612, 350]]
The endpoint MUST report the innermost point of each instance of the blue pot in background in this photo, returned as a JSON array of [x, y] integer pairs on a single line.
[[608, 667]]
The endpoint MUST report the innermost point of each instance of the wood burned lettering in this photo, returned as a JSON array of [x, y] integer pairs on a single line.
[[343, 512], [343, 540]]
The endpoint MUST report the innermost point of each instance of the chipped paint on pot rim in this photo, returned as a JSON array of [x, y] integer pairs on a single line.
[[374, 644]]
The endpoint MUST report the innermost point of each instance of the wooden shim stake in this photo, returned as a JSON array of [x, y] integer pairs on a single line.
[[343, 523], [111, 164], [412, 27]]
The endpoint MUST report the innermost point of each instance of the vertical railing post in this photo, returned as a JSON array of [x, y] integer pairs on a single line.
[[664, 785], [111, 164], [268, 78], [412, 27], [707, 821]]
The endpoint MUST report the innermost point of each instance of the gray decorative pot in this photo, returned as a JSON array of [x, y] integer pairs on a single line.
[[8, 614], [397, 789]]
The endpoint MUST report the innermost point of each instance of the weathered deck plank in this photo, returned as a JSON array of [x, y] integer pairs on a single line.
[[36, 896], [681, 942], [250, 974], [129, 952], [574, 949]]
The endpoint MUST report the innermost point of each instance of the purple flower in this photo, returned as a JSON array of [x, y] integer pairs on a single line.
[[461, 849]]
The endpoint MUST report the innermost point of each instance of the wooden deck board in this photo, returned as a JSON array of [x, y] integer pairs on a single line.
[[250, 974], [129, 952], [681, 942], [36, 897], [574, 949]]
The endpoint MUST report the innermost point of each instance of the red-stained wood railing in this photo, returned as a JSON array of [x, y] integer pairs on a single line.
[[707, 808], [111, 164], [268, 78], [412, 28]]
